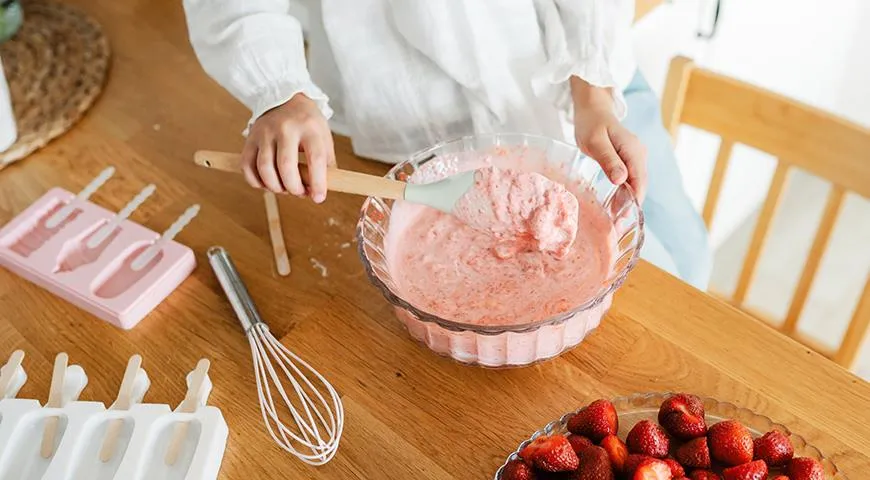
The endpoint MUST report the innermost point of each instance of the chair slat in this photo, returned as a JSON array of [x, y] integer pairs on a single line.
[[674, 95], [759, 236], [716, 180], [643, 8], [857, 331], [823, 235]]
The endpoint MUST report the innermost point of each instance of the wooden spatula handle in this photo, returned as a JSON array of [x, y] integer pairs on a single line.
[[338, 180]]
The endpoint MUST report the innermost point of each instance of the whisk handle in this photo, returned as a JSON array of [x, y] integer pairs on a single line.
[[234, 288]]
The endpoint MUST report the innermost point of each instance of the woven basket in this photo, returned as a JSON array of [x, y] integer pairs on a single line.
[[56, 66]]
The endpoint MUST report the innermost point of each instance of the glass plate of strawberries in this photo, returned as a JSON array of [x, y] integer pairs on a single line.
[[666, 436]]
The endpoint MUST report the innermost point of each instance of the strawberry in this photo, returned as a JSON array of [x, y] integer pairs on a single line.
[[774, 448], [518, 470], [594, 465], [756, 470], [802, 468], [556, 475], [704, 475], [694, 453], [780, 477], [730, 443], [683, 416], [596, 421], [579, 443], [647, 438], [616, 451], [652, 469], [632, 461], [677, 470], [551, 454]]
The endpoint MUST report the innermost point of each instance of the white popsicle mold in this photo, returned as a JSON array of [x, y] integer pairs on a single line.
[[75, 380], [141, 446], [12, 376]]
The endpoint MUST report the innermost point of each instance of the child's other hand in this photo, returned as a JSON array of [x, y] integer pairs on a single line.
[[603, 138], [270, 158]]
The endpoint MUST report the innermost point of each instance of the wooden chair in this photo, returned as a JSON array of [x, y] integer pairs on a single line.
[[643, 8], [798, 136]]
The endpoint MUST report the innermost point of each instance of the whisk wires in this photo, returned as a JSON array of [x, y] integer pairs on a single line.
[[319, 421]]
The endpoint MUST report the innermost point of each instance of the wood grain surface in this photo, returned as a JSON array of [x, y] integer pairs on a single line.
[[409, 414]]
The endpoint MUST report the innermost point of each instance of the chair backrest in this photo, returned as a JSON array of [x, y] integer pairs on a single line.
[[798, 136], [644, 7]]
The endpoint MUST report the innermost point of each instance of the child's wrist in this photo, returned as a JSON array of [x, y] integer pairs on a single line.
[[586, 96]]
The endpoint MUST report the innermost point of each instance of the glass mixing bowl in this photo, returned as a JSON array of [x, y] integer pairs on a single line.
[[507, 345]]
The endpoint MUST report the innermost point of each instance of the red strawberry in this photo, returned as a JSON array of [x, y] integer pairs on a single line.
[[647, 438], [704, 475], [730, 443], [616, 451], [517, 470], [683, 416], [579, 443], [652, 469], [594, 465], [551, 454], [774, 448], [756, 470], [677, 470], [802, 468], [556, 475], [632, 461], [596, 421], [694, 453], [780, 477]]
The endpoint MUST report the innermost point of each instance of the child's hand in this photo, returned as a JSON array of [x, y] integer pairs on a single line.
[[270, 158], [600, 136]]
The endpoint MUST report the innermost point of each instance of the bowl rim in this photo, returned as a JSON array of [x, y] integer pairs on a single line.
[[426, 317]]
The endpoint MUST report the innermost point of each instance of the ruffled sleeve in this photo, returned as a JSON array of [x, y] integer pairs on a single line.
[[579, 39], [255, 50]]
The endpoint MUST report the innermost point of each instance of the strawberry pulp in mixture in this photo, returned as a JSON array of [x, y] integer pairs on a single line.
[[443, 266], [524, 211]]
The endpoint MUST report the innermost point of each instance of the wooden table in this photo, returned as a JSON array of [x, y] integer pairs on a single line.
[[409, 414]]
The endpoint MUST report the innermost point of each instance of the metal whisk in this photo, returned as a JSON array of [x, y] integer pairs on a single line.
[[318, 421]]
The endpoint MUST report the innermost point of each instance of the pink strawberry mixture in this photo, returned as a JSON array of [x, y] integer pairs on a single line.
[[444, 266], [724, 451], [524, 212]]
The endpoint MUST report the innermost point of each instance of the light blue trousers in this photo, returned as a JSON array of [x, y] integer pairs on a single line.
[[676, 238]]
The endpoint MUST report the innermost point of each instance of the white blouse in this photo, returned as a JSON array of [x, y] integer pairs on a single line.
[[400, 75]]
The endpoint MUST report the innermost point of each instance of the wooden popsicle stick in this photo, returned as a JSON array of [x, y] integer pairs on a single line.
[[107, 229], [7, 373], [123, 402], [149, 253], [338, 180], [61, 215], [188, 405], [55, 400], [279, 249]]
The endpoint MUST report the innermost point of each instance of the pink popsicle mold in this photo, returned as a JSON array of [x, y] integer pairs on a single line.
[[100, 281]]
